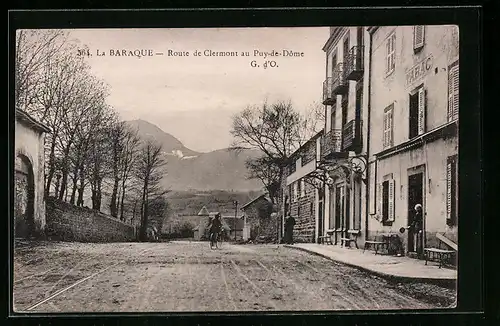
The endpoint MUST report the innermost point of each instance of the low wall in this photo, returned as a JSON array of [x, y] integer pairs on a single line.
[[67, 222]]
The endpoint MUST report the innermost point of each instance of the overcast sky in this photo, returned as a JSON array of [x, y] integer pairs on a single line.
[[193, 98]]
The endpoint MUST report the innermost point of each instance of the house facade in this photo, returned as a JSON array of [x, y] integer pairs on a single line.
[[29, 176], [300, 195], [343, 154], [413, 147], [257, 218]]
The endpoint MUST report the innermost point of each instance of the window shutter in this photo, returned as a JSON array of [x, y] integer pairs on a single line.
[[379, 200], [384, 142], [418, 37], [449, 176], [390, 127], [455, 92], [302, 188], [390, 214], [421, 111], [450, 94], [393, 52]]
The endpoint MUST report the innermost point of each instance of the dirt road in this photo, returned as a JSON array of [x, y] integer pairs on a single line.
[[184, 276]]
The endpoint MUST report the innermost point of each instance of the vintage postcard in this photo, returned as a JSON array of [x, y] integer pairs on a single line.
[[200, 170]]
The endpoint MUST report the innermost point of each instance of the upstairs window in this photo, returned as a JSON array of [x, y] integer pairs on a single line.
[[417, 118], [418, 37], [295, 191], [453, 88], [388, 136], [390, 53]]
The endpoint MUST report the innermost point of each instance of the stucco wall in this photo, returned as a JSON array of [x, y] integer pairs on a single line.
[[433, 156], [71, 223], [441, 45], [30, 144], [440, 51]]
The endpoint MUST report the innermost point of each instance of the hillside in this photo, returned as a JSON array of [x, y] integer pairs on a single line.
[[190, 170]]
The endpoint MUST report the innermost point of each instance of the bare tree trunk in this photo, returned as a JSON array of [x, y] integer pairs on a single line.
[[51, 171], [81, 189], [99, 194], [64, 182], [57, 186], [114, 203], [144, 215], [74, 180], [121, 202]]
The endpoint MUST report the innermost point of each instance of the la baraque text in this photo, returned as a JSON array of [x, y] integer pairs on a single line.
[[139, 53]]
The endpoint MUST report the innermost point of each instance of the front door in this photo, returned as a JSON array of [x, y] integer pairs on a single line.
[[24, 198], [415, 196]]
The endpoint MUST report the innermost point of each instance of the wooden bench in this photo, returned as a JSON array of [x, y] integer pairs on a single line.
[[327, 238], [441, 254], [376, 245], [346, 241]]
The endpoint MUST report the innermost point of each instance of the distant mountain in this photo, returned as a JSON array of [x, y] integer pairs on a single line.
[[191, 170], [170, 144]]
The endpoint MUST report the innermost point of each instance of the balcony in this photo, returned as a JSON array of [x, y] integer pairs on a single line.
[[355, 64], [352, 137], [340, 84], [331, 144], [328, 97]]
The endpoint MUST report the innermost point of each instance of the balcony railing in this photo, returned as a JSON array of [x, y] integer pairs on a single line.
[[328, 97], [331, 143], [351, 135], [355, 64], [340, 83]]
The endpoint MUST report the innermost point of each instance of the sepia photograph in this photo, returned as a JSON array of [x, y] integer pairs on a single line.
[[236, 169]]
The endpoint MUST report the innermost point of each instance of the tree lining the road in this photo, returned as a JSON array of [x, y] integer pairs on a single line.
[[277, 130], [149, 171], [89, 149]]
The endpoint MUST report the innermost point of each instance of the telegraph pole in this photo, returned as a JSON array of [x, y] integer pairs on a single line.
[[235, 217]]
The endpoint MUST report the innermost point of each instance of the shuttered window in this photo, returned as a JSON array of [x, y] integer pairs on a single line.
[[453, 88], [302, 188], [388, 126], [418, 112], [386, 199], [418, 37], [391, 53], [390, 199], [421, 111], [451, 190]]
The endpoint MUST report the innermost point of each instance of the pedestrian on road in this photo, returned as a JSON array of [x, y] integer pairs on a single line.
[[289, 224], [417, 225]]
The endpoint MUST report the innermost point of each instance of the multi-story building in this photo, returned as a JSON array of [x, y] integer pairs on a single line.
[[300, 195], [413, 121], [345, 134]]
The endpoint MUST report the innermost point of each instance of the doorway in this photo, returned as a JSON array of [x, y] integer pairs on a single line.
[[24, 200], [415, 196], [321, 222]]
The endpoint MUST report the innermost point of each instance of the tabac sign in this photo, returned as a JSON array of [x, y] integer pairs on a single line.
[[418, 71]]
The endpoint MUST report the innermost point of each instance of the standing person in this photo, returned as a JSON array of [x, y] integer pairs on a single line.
[[418, 229], [289, 224]]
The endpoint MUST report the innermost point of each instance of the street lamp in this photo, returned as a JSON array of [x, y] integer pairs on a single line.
[[235, 217]]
